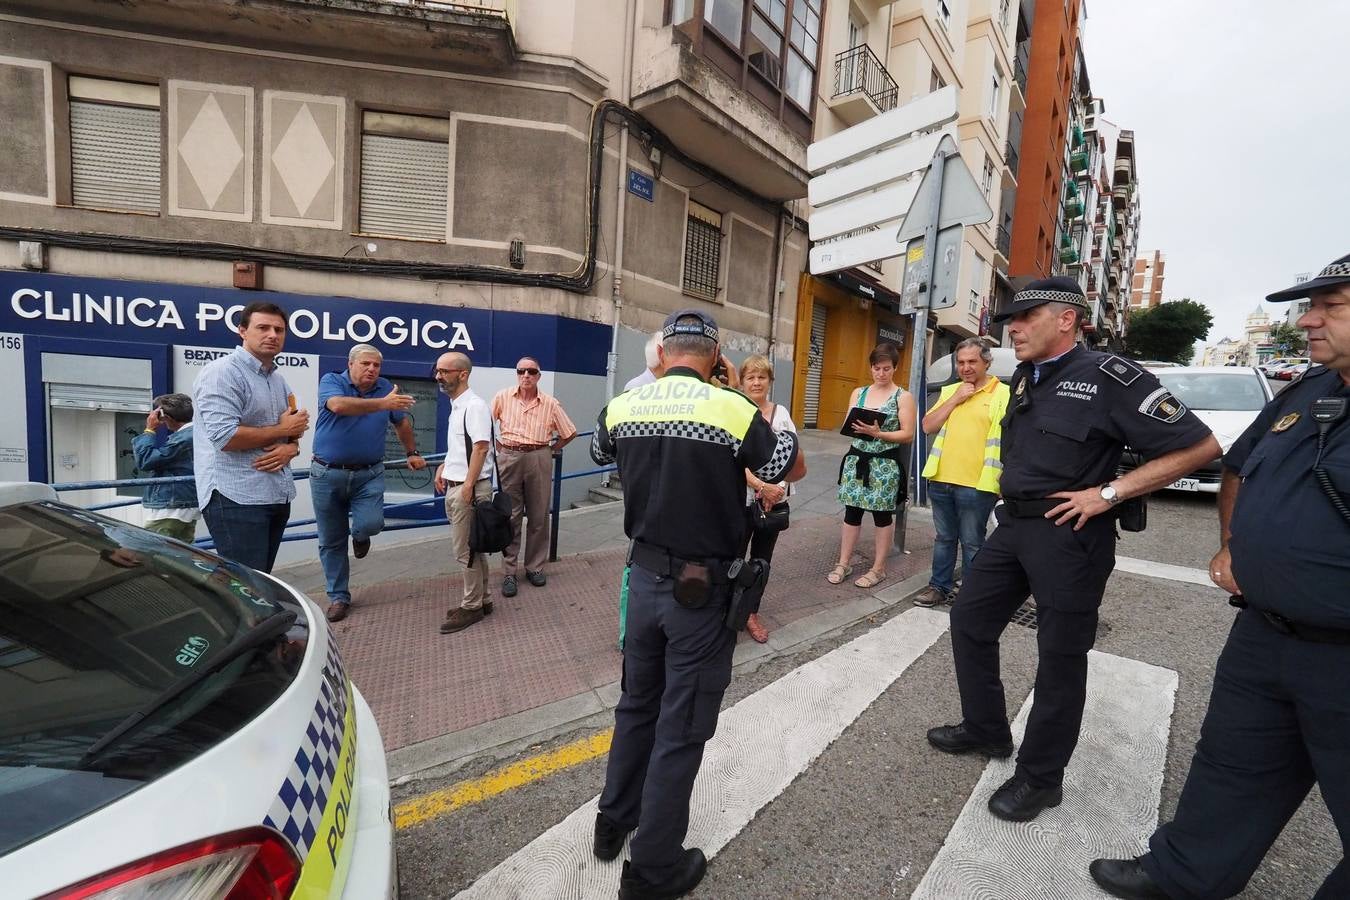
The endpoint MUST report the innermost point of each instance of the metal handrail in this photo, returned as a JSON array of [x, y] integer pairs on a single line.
[[858, 70]]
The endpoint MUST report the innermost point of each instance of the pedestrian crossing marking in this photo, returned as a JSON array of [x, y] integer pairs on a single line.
[[806, 711], [1112, 790]]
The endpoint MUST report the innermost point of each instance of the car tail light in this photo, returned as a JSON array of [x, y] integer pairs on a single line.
[[252, 864]]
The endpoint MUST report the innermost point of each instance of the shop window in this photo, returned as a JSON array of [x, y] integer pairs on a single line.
[[114, 144], [404, 175], [702, 252]]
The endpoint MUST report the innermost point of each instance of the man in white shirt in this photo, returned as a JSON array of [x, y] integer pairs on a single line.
[[465, 476], [654, 368]]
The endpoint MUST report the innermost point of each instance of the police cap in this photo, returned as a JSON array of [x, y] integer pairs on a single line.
[[1059, 289], [704, 327], [1334, 275]]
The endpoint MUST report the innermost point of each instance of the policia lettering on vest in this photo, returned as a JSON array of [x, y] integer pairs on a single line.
[[1071, 412], [682, 445]]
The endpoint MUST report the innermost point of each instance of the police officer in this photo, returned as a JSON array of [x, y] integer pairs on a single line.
[[1071, 412], [1279, 716], [683, 445]]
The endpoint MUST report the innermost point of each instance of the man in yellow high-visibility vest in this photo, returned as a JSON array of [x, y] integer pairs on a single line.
[[964, 465]]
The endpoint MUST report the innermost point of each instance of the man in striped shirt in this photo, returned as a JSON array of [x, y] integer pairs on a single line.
[[532, 425]]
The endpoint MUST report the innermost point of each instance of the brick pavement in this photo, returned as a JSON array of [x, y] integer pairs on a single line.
[[545, 644]]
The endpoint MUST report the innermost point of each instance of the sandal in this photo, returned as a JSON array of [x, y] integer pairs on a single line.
[[838, 574], [870, 579], [755, 628]]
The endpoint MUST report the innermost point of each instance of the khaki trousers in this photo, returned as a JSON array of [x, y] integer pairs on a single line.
[[460, 514], [527, 479]]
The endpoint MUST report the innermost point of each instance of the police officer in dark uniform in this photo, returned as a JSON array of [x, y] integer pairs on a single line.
[[1072, 410], [683, 445], [1279, 716]]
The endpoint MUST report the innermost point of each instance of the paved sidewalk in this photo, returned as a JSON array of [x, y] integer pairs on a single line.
[[548, 658]]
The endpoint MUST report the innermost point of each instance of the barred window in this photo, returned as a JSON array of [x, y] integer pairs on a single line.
[[702, 251]]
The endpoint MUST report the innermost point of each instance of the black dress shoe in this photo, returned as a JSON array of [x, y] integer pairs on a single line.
[[360, 547], [955, 739], [1019, 801], [1126, 878], [685, 876], [609, 837]]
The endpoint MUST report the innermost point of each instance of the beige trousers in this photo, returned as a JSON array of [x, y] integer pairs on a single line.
[[527, 479], [460, 514]]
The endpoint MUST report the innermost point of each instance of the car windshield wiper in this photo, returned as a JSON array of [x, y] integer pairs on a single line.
[[266, 630]]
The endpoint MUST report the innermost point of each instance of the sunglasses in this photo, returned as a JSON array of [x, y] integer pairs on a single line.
[[527, 371]]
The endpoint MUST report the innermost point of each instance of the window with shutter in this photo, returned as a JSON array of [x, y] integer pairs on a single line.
[[114, 144], [702, 251], [405, 164]]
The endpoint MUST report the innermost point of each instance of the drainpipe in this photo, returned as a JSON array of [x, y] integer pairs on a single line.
[[630, 22], [780, 242]]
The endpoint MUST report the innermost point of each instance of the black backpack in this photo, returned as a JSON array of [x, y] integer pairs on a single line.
[[490, 527]]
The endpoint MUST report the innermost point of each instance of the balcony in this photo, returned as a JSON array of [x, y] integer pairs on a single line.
[[426, 33], [1078, 161], [1003, 240], [1010, 154], [862, 86], [1068, 255], [1073, 208]]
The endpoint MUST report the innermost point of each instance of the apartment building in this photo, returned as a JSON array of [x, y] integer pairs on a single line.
[[501, 177], [1146, 287], [1125, 206]]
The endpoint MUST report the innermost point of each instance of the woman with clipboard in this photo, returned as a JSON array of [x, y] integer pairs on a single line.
[[872, 474]]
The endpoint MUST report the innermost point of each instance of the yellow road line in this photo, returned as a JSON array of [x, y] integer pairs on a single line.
[[420, 810]]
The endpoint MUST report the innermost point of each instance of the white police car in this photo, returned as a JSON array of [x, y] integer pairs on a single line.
[[173, 725]]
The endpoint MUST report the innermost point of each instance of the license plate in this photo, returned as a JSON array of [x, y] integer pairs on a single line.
[[1185, 484]]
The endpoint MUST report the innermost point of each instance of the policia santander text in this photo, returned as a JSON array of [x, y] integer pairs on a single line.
[[683, 446], [1071, 413]]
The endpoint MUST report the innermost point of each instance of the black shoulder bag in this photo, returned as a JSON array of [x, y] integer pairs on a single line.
[[490, 526]]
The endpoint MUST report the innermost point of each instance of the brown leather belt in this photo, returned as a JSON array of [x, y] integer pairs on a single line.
[[521, 448]]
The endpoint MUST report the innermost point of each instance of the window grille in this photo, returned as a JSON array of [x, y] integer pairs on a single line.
[[702, 252]]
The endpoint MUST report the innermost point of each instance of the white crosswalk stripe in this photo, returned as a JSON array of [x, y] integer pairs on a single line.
[[1111, 795], [804, 711]]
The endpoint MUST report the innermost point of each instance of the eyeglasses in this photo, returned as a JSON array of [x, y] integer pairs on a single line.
[[446, 371], [527, 371]]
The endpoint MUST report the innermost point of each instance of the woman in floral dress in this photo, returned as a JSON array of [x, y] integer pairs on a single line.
[[872, 473]]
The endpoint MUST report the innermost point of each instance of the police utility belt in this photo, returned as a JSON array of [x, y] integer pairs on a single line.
[[1132, 513], [1310, 633], [702, 582]]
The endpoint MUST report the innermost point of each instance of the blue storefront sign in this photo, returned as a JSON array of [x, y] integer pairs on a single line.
[[642, 185], [63, 306]]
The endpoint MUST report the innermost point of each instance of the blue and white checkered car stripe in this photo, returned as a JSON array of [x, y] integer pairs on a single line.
[[304, 793]]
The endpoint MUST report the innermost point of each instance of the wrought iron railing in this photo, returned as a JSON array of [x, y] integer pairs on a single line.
[[1010, 153], [1004, 240], [857, 70]]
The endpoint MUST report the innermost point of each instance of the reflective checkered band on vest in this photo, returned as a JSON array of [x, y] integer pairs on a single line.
[[1052, 297]]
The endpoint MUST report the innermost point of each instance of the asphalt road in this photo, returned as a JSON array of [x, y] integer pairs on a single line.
[[868, 816]]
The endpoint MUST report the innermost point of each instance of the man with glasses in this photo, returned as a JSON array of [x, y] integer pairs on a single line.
[[465, 477], [534, 429]]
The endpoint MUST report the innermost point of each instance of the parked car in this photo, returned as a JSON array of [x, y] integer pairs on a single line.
[[173, 724], [942, 371], [1270, 368], [1226, 398], [1291, 371]]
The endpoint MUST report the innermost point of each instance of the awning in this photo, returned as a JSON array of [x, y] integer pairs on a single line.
[[866, 287]]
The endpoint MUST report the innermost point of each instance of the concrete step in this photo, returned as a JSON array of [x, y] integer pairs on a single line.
[[605, 495], [582, 504]]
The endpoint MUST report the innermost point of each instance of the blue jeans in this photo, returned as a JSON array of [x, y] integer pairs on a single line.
[[244, 533], [959, 513], [341, 495]]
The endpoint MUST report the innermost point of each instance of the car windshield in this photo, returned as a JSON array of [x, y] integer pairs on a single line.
[[1215, 390], [98, 621]]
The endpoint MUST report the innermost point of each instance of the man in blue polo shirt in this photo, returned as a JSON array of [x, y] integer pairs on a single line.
[[347, 475]]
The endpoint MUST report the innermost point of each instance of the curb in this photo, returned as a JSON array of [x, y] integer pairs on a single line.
[[504, 737]]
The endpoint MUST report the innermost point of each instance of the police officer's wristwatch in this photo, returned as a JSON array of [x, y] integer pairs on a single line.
[[1109, 494]]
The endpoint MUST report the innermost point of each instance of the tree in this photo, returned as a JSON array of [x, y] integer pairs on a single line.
[[1286, 340], [1168, 331]]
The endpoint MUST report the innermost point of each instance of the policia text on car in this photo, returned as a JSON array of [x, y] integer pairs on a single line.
[[1071, 413], [683, 445]]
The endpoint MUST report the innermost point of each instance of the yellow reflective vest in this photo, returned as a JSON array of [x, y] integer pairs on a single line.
[[993, 462]]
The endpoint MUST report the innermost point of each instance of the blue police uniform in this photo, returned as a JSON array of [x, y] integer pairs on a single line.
[[1279, 716], [683, 446]]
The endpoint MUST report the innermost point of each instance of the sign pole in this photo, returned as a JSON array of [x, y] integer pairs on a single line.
[[917, 364]]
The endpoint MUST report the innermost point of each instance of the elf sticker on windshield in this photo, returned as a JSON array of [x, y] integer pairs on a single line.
[[192, 650]]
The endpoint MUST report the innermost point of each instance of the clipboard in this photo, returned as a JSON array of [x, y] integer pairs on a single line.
[[861, 414]]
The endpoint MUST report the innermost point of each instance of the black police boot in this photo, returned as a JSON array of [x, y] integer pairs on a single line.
[[685, 876], [1019, 801], [956, 739], [1126, 878], [609, 837]]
